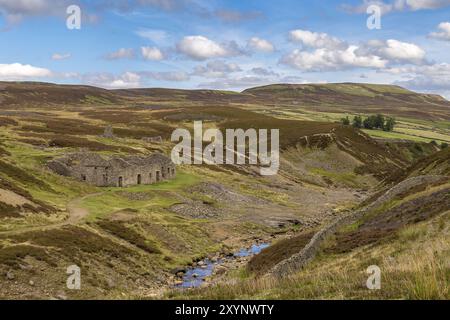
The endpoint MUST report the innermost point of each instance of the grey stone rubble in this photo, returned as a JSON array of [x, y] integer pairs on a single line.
[[296, 262], [103, 171]]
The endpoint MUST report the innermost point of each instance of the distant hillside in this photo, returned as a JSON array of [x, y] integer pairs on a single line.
[[198, 96], [357, 98], [337, 98], [32, 93]]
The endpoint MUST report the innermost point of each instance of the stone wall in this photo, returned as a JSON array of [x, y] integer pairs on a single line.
[[299, 260]]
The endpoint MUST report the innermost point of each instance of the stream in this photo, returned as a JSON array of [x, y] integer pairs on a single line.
[[194, 277]]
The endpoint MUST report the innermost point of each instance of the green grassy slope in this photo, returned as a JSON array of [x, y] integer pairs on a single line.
[[352, 97]]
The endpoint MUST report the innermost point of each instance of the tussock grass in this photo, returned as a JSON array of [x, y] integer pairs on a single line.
[[414, 266]]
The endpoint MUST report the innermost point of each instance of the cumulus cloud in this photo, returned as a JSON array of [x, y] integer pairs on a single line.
[[122, 53], [61, 56], [432, 78], [315, 39], [199, 47], [17, 71], [202, 48], [259, 44], [152, 53], [325, 60], [216, 69], [130, 79], [111, 81], [394, 50], [444, 33], [330, 53], [397, 5]]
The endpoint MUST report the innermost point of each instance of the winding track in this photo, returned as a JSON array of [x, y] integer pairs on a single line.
[[76, 216]]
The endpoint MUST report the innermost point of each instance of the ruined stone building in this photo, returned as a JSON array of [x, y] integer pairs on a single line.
[[104, 171]]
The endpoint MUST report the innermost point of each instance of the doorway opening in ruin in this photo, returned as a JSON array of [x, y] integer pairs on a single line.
[[120, 182], [150, 177], [139, 179], [158, 176]]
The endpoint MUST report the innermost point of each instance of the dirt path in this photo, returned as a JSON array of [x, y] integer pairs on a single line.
[[75, 211]]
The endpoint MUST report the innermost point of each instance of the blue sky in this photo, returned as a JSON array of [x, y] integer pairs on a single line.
[[229, 44]]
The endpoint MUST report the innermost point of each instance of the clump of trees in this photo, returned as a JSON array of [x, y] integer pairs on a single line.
[[372, 122]]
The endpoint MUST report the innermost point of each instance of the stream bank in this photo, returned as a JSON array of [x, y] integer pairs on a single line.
[[202, 272]]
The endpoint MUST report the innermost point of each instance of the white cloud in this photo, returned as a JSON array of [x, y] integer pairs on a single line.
[[316, 40], [434, 78], [202, 48], [216, 69], [326, 59], [330, 53], [444, 33], [199, 47], [127, 80], [61, 56], [397, 5], [405, 51], [107, 80], [394, 51], [259, 44], [130, 79], [122, 53], [17, 71], [152, 53]]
